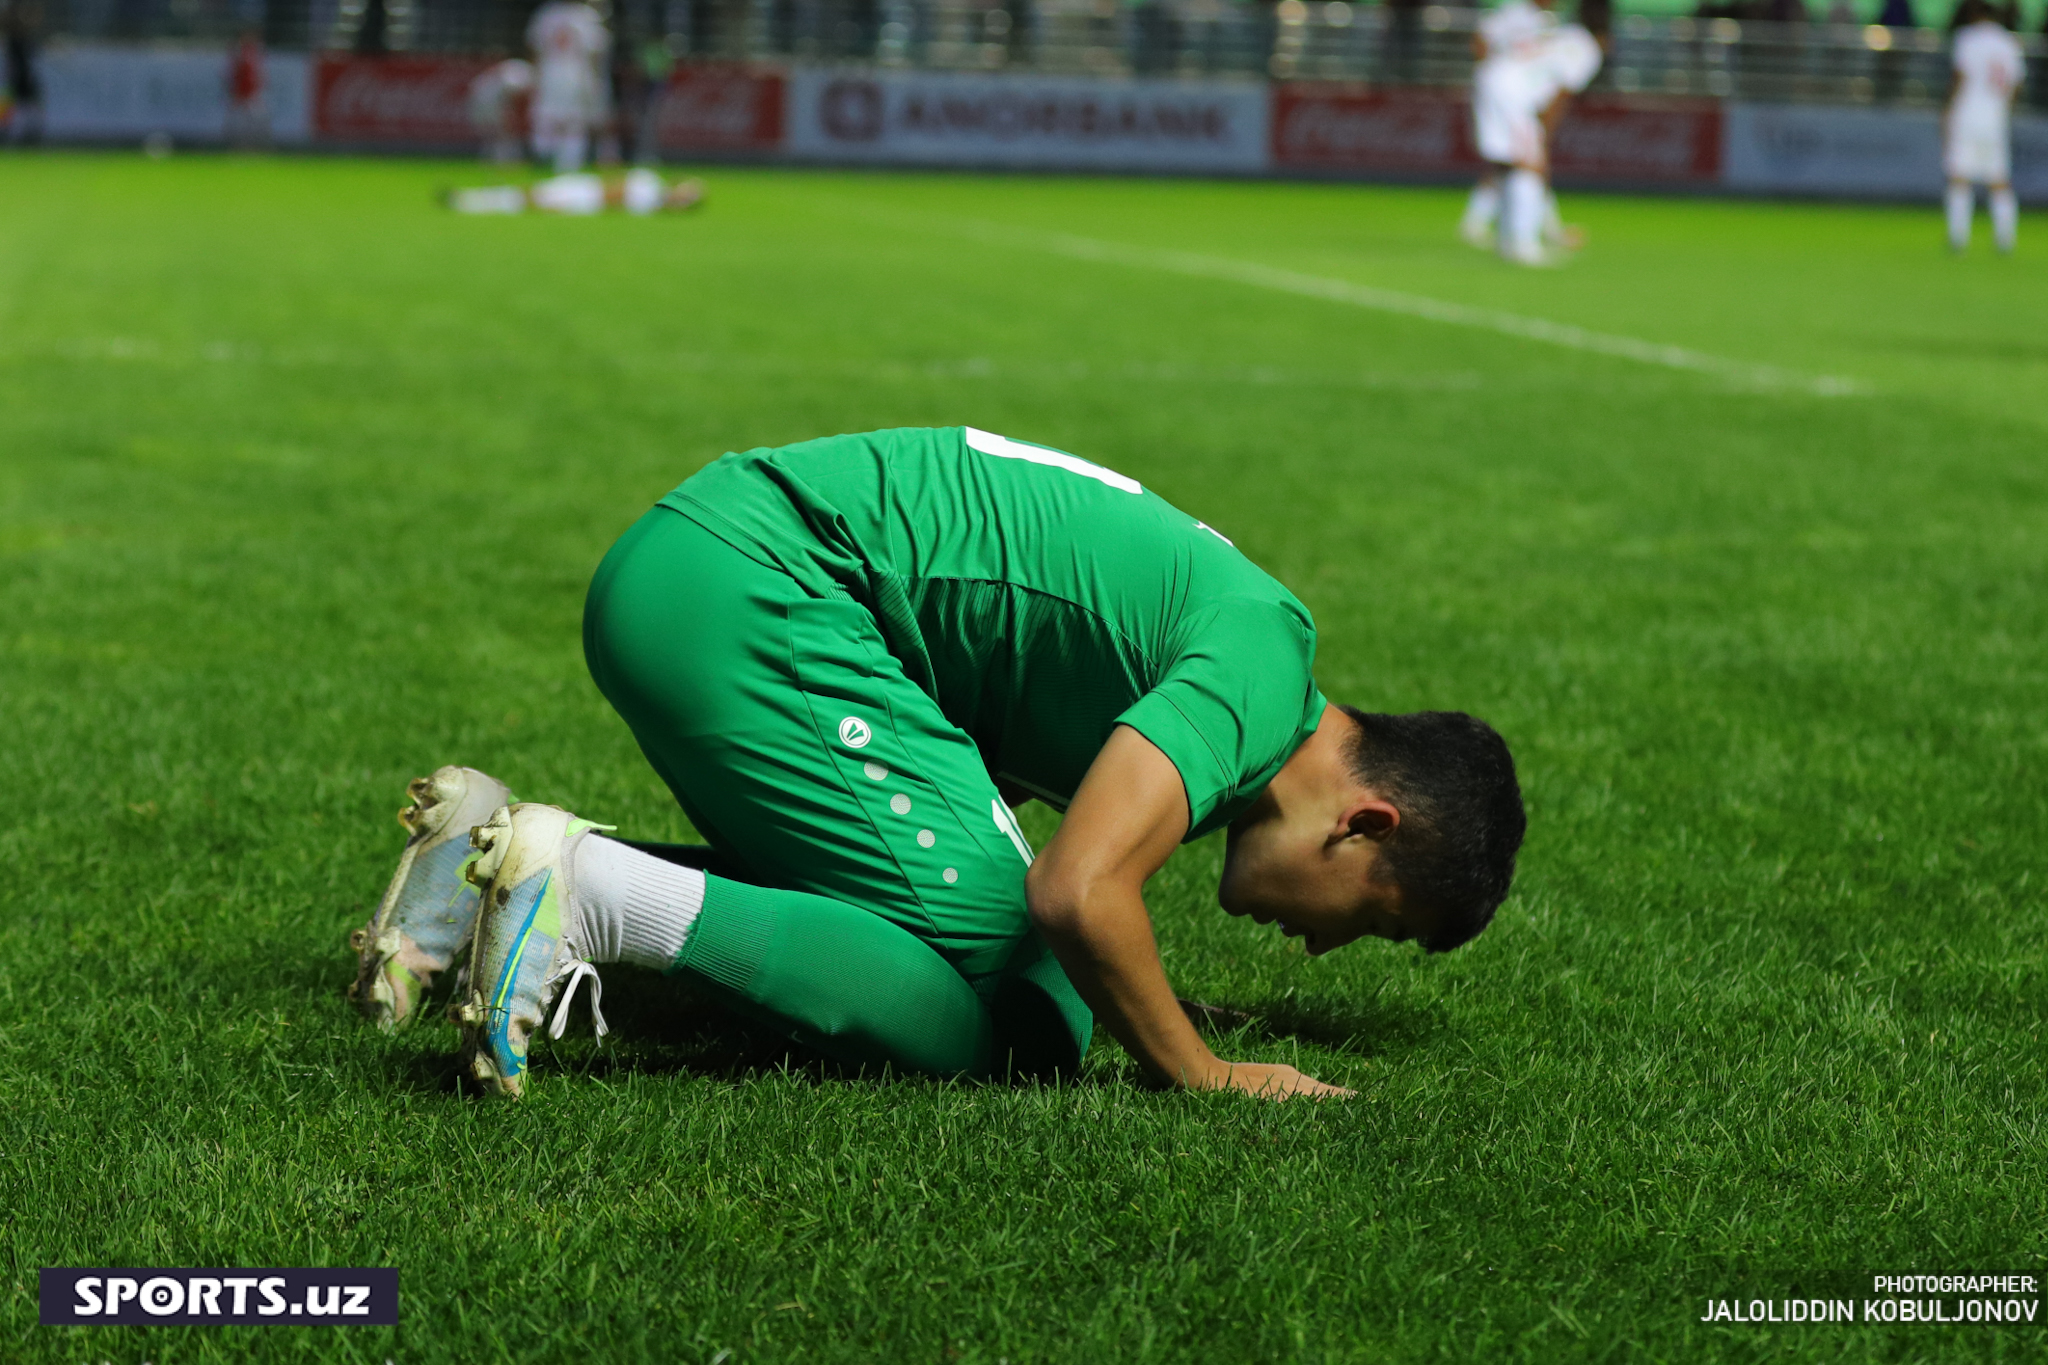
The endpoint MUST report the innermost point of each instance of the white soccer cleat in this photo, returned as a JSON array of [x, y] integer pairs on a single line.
[[428, 914], [529, 942]]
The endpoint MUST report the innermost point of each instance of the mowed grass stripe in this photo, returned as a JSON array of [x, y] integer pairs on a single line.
[[1748, 374], [1432, 310]]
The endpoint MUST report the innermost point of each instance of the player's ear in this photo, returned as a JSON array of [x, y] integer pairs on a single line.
[[1372, 816]]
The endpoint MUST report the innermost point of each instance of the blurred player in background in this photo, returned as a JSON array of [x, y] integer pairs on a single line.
[[1989, 68], [637, 191], [569, 43], [248, 122], [1508, 94], [1569, 59], [23, 82], [494, 99]]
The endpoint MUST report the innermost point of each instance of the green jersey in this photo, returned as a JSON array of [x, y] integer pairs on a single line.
[[1039, 600]]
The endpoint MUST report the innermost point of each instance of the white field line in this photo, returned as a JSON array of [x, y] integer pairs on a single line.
[[1745, 373]]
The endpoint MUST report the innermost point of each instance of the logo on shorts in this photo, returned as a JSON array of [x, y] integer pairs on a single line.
[[854, 733]]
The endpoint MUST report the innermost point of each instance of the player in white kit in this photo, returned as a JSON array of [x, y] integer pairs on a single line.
[[493, 107], [1507, 99], [569, 43], [1569, 59], [1989, 68]]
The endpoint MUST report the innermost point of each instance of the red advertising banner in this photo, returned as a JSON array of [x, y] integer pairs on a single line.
[[395, 99], [1604, 137], [1350, 128], [721, 108], [1639, 138]]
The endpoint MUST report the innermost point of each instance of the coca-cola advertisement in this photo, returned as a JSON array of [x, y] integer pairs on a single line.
[[1346, 128], [1638, 139], [1429, 132], [422, 100], [721, 108]]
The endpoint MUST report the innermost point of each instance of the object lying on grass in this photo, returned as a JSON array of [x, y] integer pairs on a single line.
[[638, 191]]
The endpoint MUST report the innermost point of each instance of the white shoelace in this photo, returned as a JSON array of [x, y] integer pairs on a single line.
[[577, 970]]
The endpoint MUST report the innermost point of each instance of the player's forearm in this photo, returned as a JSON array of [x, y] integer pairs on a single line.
[[1103, 938], [1086, 895]]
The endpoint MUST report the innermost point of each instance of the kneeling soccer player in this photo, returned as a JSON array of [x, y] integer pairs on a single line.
[[849, 659]]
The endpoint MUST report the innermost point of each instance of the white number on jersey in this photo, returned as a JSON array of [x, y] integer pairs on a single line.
[[1002, 447]]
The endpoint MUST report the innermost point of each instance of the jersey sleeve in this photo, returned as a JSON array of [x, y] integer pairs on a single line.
[[1575, 57], [1235, 703]]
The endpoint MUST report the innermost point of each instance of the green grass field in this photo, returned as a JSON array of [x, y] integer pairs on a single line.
[[301, 481]]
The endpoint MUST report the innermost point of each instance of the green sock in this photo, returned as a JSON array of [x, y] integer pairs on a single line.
[[837, 978]]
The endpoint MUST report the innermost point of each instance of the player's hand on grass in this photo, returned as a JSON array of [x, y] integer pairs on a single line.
[[1274, 1081]]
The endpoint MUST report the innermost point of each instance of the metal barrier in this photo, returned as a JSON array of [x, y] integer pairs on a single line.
[[1332, 40]]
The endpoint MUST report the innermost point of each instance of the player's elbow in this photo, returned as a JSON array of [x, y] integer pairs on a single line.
[[1052, 900], [1057, 896]]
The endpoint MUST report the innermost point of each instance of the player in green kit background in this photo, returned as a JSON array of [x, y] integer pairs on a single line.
[[849, 659]]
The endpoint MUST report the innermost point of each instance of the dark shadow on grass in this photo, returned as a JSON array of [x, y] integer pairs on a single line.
[[1357, 1028], [435, 1073], [660, 1026]]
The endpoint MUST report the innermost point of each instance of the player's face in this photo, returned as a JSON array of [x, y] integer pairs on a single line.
[[1291, 869]]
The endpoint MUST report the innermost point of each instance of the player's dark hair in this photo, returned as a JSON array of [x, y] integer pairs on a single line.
[[1453, 780], [1975, 12]]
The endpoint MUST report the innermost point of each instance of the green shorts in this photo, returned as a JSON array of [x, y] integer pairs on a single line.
[[801, 752]]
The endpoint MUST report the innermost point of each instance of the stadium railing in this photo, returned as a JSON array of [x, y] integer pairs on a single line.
[[1331, 40]]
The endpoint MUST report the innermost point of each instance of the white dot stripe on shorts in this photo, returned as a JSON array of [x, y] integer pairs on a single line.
[[1007, 823], [900, 804], [925, 838], [951, 874], [875, 771]]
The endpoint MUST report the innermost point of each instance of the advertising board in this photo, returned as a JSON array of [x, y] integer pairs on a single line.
[[1346, 128], [942, 118], [423, 101], [713, 107], [1863, 152], [1639, 140], [102, 92], [1342, 129], [1824, 149]]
